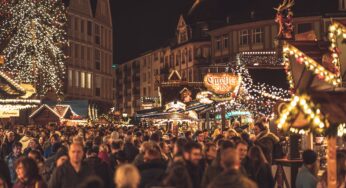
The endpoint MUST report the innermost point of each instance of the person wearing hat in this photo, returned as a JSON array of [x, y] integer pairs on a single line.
[[306, 177]]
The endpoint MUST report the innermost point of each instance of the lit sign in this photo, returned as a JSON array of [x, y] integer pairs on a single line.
[[221, 83], [9, 113], [175, 106]]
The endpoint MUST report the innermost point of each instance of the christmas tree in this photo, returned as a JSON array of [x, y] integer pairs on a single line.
[[34, 35]]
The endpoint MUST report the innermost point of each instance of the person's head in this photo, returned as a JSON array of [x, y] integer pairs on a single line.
[[256, 156], [210, 151], [199, 136], [3, 183], [92, 182], [155, 137], [17, 149], [33, 143], [92, 152], [26, 170], [309, 158], [36, 156], [54, 139], [121, 157], [164, 147], [151, 154], [78, 140], [193, 152], [242, 148], [259, 127], [179, 146], [127, 176], [76, 153], [10, 136], [177, 176], [230, 159]]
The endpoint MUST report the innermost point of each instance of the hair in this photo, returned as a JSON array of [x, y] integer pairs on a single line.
[[155, 137], [225, 144], [37, 155], [257, 157], [17, 144], [177, 176], [127, 176], [121, 157], [208, 146], [152, 153], [261, 126], [117, 144], [229, 158], [91, 182], [241, 142], [309, 157], [30, 168], [180, 143], [192, 145]]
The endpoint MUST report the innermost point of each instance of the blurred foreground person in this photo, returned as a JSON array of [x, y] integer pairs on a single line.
[[231, 176], [127, 176], [306, 177], [28, 174]]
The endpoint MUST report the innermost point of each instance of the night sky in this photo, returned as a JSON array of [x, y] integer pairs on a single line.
[[143, 25]]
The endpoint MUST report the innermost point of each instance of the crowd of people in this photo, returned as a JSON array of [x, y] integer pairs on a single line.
[[144, 157]]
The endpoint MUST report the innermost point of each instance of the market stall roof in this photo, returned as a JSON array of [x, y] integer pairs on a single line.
[[172, 116]]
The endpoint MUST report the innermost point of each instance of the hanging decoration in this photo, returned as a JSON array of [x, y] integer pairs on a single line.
[[284, 18]]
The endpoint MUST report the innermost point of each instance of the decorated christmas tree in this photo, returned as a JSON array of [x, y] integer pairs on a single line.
[[34, 35]]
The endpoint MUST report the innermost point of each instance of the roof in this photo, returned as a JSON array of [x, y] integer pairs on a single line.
[[79, 107], [9, 88], [58, 110], [93, 4]]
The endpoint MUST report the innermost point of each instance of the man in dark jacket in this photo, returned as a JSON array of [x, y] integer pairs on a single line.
[[193, 156], [11, 160], [73, 172], [231, 176], [101, 168], [6, 147], [5, 173], [266, 140], [129, 148], [153, 169]]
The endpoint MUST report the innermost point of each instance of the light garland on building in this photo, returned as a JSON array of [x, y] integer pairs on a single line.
[[312, 113], [8, 107], [336, 29], [341, 130], [35, 35], [311, 64]]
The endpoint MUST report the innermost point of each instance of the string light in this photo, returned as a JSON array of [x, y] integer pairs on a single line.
[[35, 35], [311, 112]]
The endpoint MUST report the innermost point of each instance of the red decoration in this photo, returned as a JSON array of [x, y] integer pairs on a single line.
[[321, 77]]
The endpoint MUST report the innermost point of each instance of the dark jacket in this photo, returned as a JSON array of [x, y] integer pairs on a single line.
[[5, 173], [66, 177], [266, 140], [102, 170], [6, 148], [131, 151], [263, 176], [11, 160], [152, 173], [33, 184], [211, 172], [196, 173], [232, 178]]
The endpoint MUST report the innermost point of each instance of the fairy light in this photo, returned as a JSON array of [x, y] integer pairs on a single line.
[[312, 113], [35, 35]]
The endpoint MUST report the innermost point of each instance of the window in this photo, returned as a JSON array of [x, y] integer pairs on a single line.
[[198, 52], [82, 26], [144, 77], [89, 28], [177, 59], [76, 79], [218, 43], [342, 4], [97, 60], [305, 27], [183, 60], [190, 55], [88, 54], [70, 78], [76, 51], [82, 52], [225, 41], [97, 34], [171, 61], [89, 81], [206, 52], [244, 37], [190, 76], [144, 91], [82, 79], [257, 35], [98, 86], [76, 24]]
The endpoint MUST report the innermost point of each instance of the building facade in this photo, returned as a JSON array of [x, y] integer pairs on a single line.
[[89, 73]]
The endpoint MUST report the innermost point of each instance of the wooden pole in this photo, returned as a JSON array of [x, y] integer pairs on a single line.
[[223, 118], [331, 162]]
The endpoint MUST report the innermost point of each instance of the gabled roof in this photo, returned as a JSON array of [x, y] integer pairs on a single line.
[[174, 76], [42, 107], [9, 88], [59, 110]]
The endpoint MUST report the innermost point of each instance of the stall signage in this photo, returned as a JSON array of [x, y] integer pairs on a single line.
[[221, 83], [9, 113]]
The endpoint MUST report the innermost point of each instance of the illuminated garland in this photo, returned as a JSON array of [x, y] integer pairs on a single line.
[[317, 121], [311, 64], [336, 29], [34, 33]]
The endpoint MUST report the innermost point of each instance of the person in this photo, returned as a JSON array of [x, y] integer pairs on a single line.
[[177, 176], [33, 145], [127, 176], [6, 146], [71, 173], [242, 150], [266, 140], [11, 159], [231, 176], [306, 177], [28, 174], [3, 183], [210, 152], [53, 141], [153, 169], [5, 174], [129, 148], [200, 138], [193, 156], [101, 168], [261, 171], [116, 147], [340, 170]]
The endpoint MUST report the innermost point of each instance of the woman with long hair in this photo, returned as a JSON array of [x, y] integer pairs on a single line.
[[28, 174], [261, 173]]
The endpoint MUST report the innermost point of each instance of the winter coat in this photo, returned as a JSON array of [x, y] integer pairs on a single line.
[[152, 173], [211, 172], [266, 140], [102, 170]]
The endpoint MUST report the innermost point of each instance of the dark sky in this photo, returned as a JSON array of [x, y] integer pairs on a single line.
[[142, 25]]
